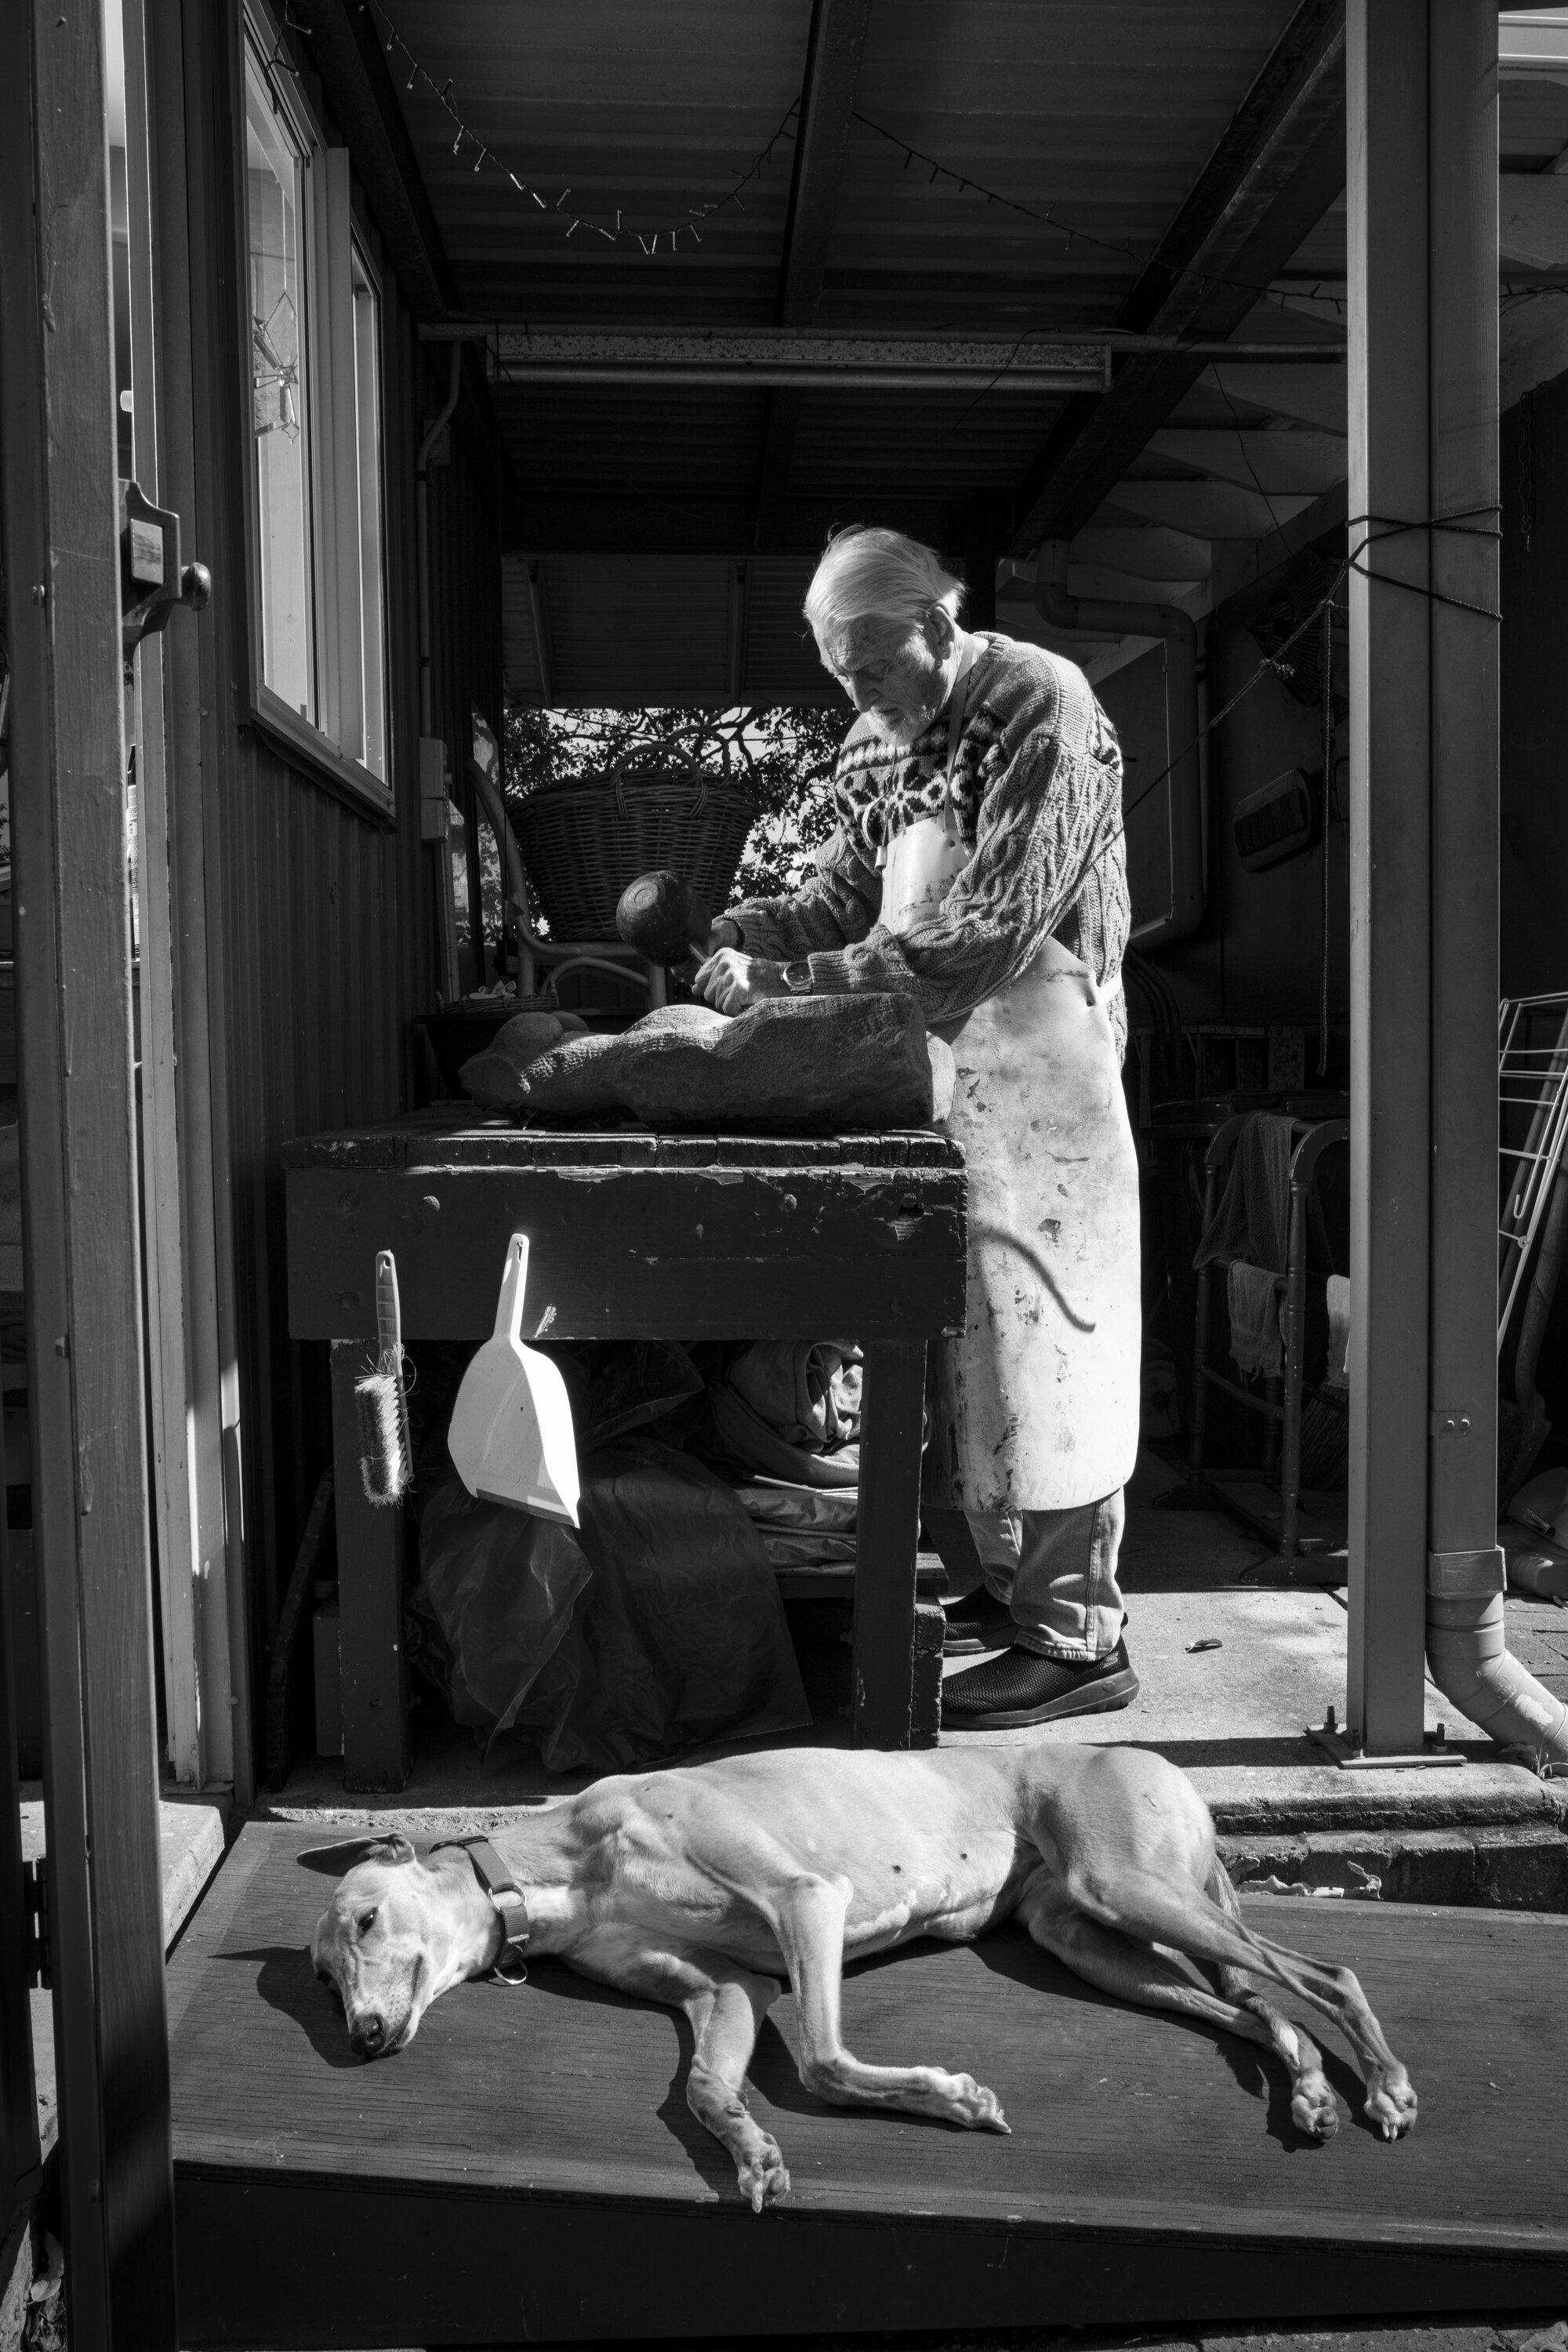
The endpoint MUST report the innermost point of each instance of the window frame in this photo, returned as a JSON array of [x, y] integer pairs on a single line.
[[334, 237]]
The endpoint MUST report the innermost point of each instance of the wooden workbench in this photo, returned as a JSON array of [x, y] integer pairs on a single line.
[[635, 1235]]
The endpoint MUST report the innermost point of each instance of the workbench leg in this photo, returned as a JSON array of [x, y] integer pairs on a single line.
[[898, 1642], [370, 1601]]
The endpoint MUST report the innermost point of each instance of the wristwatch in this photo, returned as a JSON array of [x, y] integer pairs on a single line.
[[797, 977]]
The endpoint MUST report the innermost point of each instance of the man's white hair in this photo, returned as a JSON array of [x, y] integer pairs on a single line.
[[865, 570]]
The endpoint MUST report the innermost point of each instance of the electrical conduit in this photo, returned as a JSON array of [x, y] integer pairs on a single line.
[[422, 524]]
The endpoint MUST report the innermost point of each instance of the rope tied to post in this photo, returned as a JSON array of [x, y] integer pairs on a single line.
[[1462, 522], [1378, 528]]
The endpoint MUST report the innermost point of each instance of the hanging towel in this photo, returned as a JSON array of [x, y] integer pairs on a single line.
[[1252, 1219], [1339, 1372], [1253, 1305]]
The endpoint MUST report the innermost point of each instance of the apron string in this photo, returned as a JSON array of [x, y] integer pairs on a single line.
[[959, 699]]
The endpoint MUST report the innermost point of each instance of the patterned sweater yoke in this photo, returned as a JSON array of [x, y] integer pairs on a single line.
[[1036, 787]]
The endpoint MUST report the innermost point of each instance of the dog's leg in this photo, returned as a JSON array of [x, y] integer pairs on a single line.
[[1158, 1980], [807, 1917], [725, 2006], [1171, 1910], [1311, 2101]]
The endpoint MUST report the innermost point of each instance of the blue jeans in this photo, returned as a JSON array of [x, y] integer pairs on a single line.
[[1056, 1571]]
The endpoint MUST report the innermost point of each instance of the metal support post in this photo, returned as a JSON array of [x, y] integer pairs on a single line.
[[1422, 221], [1462, 1477], [1386, 59]]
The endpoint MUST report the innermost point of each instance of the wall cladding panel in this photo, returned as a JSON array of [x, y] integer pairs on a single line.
[[325, 946]]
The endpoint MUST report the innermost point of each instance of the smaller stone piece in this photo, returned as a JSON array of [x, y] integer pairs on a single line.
[[492, 1078], [802, 1065]]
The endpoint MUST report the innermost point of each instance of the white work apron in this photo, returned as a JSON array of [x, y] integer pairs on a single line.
[[1037, 1402]]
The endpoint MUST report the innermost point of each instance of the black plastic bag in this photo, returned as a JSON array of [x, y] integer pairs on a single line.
[[656, 1629]]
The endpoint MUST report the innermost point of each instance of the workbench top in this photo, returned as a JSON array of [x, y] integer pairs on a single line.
[[460, 1136]]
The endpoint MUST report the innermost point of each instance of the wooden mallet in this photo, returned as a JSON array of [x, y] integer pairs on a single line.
[[664, 918]]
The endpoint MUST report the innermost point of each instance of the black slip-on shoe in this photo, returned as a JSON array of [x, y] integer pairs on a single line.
[[1021, 1688], [984, 1624]]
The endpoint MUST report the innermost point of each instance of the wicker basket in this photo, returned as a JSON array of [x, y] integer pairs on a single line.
[[582, 844]]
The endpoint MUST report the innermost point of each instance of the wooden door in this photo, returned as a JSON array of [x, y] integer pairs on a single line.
[[18, 2105], [80, 1242]]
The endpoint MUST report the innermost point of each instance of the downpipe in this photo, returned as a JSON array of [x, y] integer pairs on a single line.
[[422, 534], [1469, 1659], [1185, 800]]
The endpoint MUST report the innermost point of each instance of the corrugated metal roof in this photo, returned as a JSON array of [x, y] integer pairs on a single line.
[[1098, 116], [1099, 112], [627, 631]]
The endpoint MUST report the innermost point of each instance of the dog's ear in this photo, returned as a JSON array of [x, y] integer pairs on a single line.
[[332, 1861]]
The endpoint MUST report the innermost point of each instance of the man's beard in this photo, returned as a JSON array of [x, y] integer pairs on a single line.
[[902, 733], [898, 734]]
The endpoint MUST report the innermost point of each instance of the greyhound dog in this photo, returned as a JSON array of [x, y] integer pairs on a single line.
[[703, 1887]]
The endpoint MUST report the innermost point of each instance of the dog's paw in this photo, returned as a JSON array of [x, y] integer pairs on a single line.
[[1391, 2104], [1313, 2110], [763, 2178], [975, 2106]]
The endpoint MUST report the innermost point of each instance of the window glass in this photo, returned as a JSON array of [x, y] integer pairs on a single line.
[[367, 432], [468, 960], [275, 171], [492, 878]]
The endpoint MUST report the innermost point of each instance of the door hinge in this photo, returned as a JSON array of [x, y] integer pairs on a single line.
[[35, 1919]]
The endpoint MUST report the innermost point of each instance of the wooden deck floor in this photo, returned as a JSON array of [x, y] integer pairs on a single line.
[[527, 2171]]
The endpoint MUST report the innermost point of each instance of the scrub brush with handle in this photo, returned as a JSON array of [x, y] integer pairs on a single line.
[[385, 1451]]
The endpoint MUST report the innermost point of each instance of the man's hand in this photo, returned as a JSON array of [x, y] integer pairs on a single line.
[[730, 981]]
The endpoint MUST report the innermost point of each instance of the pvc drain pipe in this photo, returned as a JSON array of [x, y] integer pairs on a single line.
[[1469, 1658]]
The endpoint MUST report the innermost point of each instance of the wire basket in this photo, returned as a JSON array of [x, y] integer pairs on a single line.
[[583, 842]]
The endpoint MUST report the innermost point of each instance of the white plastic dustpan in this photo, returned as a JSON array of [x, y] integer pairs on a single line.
[[511, 1437]]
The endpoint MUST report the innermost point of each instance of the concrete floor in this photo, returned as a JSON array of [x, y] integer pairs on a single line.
[[1234, 1718]]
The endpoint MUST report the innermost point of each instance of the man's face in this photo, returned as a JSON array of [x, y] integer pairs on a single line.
[[892, 671]]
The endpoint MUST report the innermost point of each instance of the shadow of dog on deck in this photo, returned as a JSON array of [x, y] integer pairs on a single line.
[[287, 1982]]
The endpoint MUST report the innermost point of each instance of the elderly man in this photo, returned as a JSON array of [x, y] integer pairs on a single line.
[[978, 867]]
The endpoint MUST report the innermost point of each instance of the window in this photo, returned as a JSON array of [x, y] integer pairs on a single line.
[[319, 650], [367, 443], [275, 175]]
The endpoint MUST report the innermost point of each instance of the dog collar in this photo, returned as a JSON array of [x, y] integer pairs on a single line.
[[508, 1897]]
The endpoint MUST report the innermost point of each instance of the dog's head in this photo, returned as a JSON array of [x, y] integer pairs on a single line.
[[398, 1931]]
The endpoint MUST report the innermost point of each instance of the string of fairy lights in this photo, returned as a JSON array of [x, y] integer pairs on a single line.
[[668, 233]]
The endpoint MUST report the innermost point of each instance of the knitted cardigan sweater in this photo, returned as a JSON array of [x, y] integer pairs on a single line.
[[1044, 833]]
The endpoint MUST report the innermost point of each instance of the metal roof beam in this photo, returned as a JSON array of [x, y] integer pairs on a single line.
[[1274, 173], [835, 45], [803, 362]]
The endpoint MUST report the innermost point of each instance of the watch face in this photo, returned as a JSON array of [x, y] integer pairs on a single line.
[[797, 977]]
